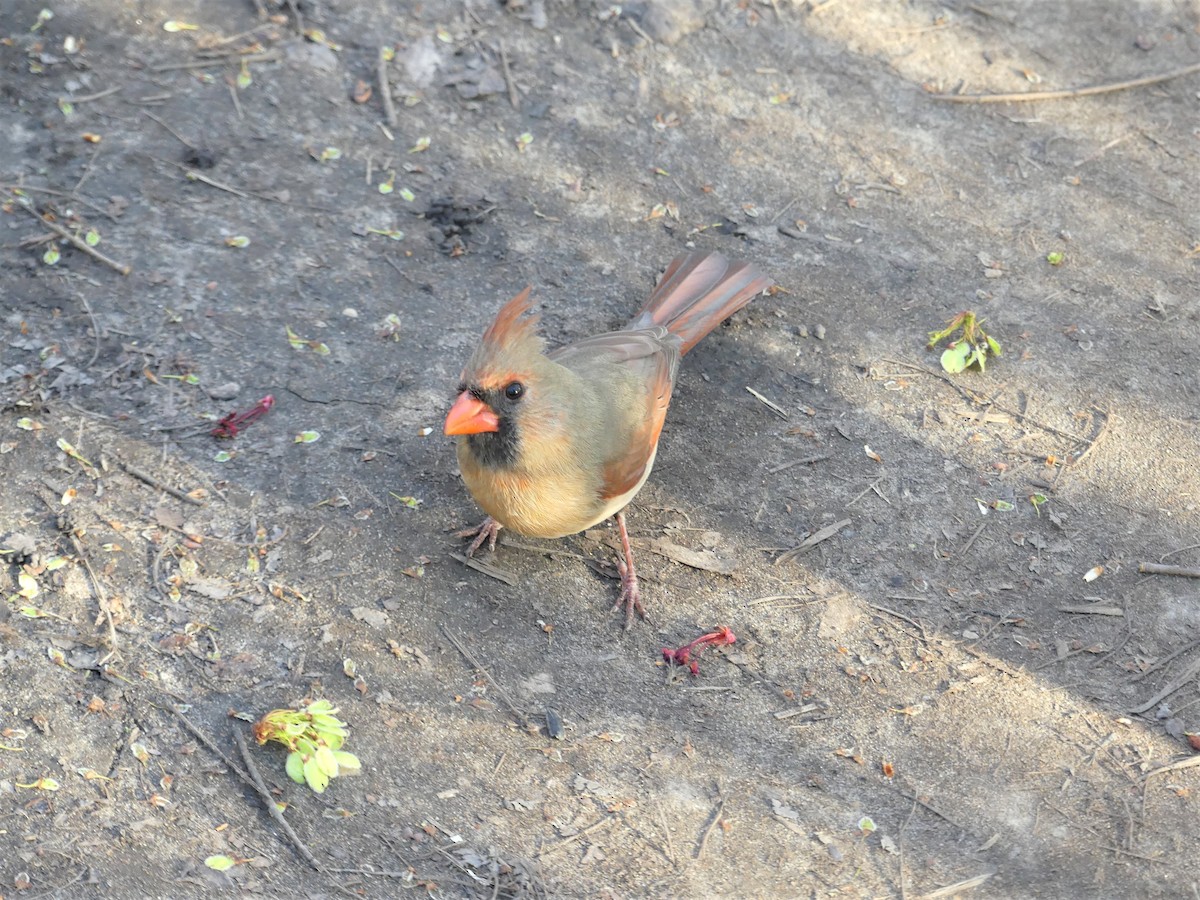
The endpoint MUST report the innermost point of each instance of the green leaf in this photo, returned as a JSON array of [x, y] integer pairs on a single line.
[[239, 241], [223, 456], [408, 195], [866, 825], [954, 360], [92, 238], [348, 763], [220, 863], [51, 256], [29, 586], [327, 762], [994, 346], [308, 437], [1055, 257], [421, 145], [295, 767], [316, 778]]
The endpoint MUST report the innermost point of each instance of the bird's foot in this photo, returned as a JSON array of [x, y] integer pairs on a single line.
[[487, 530], [631, 595], [630, 598]]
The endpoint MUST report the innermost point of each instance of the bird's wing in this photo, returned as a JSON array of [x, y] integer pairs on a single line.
[[636, 370]]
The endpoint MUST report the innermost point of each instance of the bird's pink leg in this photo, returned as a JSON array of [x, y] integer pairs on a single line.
[[487, 530], [631, 596]]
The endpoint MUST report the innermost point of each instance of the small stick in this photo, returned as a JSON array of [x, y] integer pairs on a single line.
[[899, 615], [95, 327], [237, 104], [971, 540], [595, 826], [385, 90], [467, 655], [1093, 609], [78, 242], [1166, 660], [1026, 96], [952, 890], [175, 134], [867, 490], [485, 568], [74, 197], [716, 817], [88, 98], [149, 479], [1172, 686], [662, 820], [799, 462], [264, 794], [101, 595], [193, 175], [786, 207], [513, 98], [268, 56], [211, 745], [774, 407], [1159, 569], [813, 539], [1173, 767]]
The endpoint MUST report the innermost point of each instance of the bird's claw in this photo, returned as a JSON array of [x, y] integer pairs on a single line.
[[630, 598], [487, 530]]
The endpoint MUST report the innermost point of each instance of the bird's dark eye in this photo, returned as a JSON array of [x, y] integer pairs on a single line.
[[513, 390]]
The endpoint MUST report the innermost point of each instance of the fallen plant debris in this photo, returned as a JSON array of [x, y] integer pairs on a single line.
[[971, 349], [689, 654], [314, 735], [229, 426]]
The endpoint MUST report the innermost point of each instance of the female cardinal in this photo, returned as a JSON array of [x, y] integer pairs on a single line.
[[553, 443]]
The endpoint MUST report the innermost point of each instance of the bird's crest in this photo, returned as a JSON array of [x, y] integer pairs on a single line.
[[511, 342], [512, 327]]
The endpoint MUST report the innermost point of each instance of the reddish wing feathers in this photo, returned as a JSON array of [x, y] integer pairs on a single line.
[[698, 292], [623, 475]]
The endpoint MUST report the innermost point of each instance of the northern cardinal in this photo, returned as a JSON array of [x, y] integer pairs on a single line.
[[551, 444]]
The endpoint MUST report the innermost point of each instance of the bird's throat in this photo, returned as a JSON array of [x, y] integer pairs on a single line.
[[495, 449]]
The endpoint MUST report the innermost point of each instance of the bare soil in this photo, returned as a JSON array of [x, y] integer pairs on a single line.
[[930, 700]]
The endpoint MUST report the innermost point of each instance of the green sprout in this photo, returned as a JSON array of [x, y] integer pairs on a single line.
[[314, 735], [972, 348]]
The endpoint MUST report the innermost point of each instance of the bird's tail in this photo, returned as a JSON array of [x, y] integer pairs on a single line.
[[697, 293]]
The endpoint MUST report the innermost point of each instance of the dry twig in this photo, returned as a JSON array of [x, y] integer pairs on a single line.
[[1070, 93], [76, 241], [385, 90], [470, 657], [260, 787]]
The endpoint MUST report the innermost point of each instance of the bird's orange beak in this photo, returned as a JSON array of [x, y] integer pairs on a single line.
[[470, 415]]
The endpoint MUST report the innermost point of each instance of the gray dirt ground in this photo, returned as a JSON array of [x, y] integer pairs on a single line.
[[944, 673]]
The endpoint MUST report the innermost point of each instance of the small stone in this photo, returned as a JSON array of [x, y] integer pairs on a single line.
[[226, 391], [350, 312], [819, 332]]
